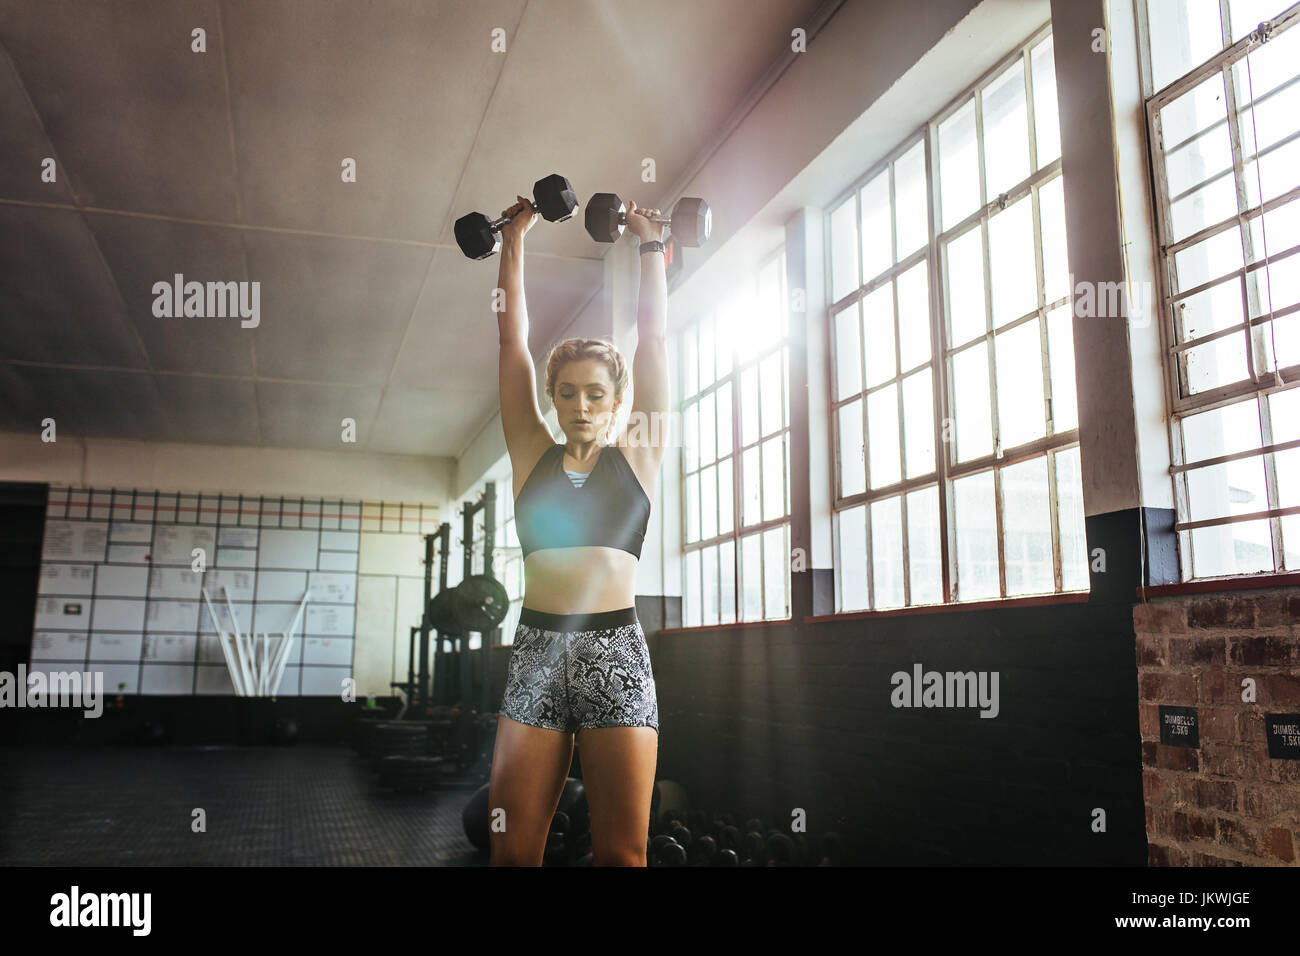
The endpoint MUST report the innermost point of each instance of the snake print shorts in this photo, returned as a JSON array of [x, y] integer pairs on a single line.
[[573, 671]]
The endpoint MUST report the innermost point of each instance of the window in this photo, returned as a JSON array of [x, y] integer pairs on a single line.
[[1225, 139], [736, 456], [957, 467]]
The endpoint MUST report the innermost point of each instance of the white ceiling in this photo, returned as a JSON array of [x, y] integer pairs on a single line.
[[225, 166]]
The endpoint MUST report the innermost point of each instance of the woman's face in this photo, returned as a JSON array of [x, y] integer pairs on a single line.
[[584, 399]]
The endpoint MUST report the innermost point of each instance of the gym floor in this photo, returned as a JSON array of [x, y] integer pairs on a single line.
[[265, 806]]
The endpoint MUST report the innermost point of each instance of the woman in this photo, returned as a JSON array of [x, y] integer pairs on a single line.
[[580, 664]]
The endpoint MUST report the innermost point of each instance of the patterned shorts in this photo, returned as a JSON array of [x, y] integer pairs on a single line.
[[572, 671]]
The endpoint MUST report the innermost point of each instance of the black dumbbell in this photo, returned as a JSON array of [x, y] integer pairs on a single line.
[[480, 237], [691, 221]]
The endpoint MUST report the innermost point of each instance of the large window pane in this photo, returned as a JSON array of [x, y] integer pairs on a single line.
[[909, 194], [887, 553], [751, 487], [878, 323], [693, 507], [977, 539], [1006, 130], [708, 429], [882, 436], [751, 571], [726, 497], [709, 567], [749, 420], [1027, 518], [1056, 264], [772, 397], [914, 316], [727, 578], [853, 458], [877, 228], [725, 418], [844, 250], [918, 424], [848, 359], [959, 173], [1012, 270], [709, 502], [773, 477], [1184, 33], [776, 573], [853, 558], [970, 386], [1021, 415], [1047, 128], [965, 285], [923, 556]]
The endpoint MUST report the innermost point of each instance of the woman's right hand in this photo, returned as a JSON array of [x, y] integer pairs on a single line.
[[522, 215]]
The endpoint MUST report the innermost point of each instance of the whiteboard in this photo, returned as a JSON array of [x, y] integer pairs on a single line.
[[340, 540], [169, 647], [238, 583], [329, 588], [174, 583], [237, 538], [53, 646], [115, 614], [329, 619], [172, 616], [287, 549], [66, 579], [115, 647], [75, 541], [328, 650], [174, 544], [281, 585], [72, 614], [236, 558], [119, 581], [130, 532]]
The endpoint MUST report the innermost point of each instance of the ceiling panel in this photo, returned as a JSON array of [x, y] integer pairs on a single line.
[[224, 166]]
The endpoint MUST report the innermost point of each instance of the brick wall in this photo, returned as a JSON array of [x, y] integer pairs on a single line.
[[1226, 802]]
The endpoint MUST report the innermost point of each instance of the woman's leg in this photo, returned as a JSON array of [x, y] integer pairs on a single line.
[[529, 767], [618, 774]]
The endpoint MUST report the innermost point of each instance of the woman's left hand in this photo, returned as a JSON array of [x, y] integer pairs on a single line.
[[640, 226]]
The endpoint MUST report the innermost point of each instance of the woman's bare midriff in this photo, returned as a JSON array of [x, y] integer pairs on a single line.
[[582, 580]]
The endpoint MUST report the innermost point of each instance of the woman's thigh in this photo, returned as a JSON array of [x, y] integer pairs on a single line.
[[618, 775], [529, 767]]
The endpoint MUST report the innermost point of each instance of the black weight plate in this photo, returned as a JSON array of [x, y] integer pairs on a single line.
[[480, 602]]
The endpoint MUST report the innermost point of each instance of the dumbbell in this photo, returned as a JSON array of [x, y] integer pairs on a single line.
[[480, 237], [691, 221]]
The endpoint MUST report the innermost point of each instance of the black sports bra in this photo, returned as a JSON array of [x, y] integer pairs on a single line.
[[611, 508]]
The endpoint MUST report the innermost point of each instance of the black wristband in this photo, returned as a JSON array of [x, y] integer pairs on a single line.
[[654, 245]]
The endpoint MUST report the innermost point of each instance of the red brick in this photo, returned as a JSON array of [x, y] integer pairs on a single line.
[[1198, 651], [1223, 759], [1192, 826], [1149, 819], [1197, 858], [1214, 686], [1150, 651], [1161, 855], [1275, 803], [1279, 691], [1149, 719], [1217, 723], [1154, 789], [1263, 651], [1176, 758], [1271, 843], [1278, 844], [1233, 612], [1277, 608], [1209, 794], [1159, 618], [1167, 688], [1149, 748]]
